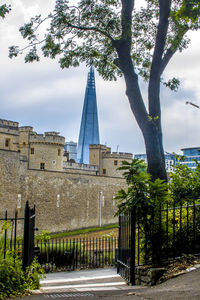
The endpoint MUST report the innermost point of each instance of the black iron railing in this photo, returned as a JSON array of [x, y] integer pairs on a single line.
[[9, 238], [71, 254], [156, 235], [164, 234], [17, 236]]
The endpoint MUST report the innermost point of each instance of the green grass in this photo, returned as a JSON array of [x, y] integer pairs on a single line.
[[82, 231]]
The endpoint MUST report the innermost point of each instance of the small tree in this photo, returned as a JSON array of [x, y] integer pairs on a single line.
[[119, 40], [142, 193], [184, 184]]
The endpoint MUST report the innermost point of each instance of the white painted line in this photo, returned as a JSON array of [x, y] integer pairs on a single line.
[[82, 286], [78, 279]]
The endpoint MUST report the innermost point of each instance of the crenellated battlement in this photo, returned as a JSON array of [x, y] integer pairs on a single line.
[[9, 127], [117, 155], [25, 129], [7, 123], [47, 138]]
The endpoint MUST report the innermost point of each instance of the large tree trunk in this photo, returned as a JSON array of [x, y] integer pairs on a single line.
[[149, 125], [155, 152]]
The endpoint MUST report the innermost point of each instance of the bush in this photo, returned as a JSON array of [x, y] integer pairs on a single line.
[[14, 281]]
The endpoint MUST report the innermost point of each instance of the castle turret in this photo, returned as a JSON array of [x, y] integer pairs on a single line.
[[24, 132], [108, 162], [46, 151], [9, 132]]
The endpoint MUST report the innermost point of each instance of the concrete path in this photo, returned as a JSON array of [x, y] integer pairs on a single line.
[[106, 284], [82, 281]]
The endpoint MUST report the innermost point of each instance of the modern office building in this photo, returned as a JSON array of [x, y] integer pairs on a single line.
[[71, 149], [89, 129], [191, 155], [170, 160]]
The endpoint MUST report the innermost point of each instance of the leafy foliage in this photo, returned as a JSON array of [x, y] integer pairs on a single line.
[[184, 186], [13, 280], [4, 9], [86, 32], [142, 193], [185, 183], [190, 11], [43, 236]]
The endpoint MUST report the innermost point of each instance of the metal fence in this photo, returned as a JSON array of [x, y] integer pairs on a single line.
[[9, 239], [72, 254], [17, 236], [155, 235]]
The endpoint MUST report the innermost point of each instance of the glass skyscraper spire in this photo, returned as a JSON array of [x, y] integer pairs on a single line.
[[89, 130]]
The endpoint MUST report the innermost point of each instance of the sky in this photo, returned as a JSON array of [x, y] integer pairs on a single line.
[[50, 99]]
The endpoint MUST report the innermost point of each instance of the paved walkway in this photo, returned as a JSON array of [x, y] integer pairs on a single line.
[[106, 284], [82, 281]]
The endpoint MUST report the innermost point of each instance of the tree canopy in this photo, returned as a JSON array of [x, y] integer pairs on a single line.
[[119, 39]]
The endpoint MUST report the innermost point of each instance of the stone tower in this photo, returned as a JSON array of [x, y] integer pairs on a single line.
[[89, 130]]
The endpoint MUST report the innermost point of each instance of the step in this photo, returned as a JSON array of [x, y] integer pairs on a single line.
[[106, 286], [80, 280]]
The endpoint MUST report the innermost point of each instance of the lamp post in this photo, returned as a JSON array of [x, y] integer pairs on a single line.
[[19, 200], [101, 204], [58, 200]]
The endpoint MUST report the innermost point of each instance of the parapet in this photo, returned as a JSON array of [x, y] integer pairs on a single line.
[[25, 129], [51, 133], [119, 155], [79, 166], [47, 138], [6, 125], [100, 147]]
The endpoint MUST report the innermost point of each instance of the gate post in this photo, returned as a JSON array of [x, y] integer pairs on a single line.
[[119, 244], [132, 246], [29, 227]]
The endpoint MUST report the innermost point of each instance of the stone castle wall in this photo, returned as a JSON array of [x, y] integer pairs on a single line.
[[79, 194]]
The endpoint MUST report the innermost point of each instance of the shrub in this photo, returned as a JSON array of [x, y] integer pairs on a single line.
[[13, 280]]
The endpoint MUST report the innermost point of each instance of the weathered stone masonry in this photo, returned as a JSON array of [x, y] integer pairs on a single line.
[[67, 195], [79, 194]]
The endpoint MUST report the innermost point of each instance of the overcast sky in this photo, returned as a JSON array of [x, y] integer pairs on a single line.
[[50, 99]]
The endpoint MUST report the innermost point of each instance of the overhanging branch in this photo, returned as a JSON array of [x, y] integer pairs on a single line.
[[172, 49], [92, 28], [154, 82]]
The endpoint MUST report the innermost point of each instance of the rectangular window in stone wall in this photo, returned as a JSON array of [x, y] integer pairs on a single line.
[[7, 142], [42, 166], [32, 150], [115, 162], [59, 152], [104, 171]]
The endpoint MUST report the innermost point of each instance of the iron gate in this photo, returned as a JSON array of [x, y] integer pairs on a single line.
[[10, 239], [126, 250], [29, 232]]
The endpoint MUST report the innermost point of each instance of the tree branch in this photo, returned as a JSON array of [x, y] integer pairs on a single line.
[[91, 29], [154, 82], [172, 50], [126, 18]]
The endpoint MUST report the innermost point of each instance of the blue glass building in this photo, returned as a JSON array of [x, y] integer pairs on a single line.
[[89, 129], [71, 148], [170, 160], [191, 154]]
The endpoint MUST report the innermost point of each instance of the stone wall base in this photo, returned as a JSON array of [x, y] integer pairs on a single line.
[[148, 275]]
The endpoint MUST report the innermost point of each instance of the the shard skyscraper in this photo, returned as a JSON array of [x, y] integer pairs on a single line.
[[89, 130]]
